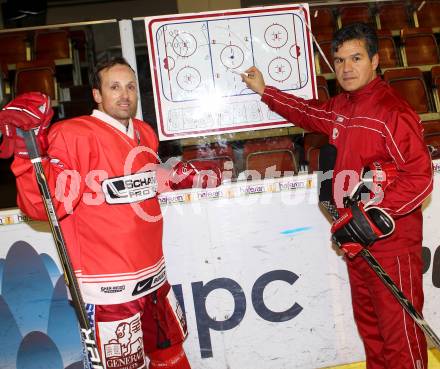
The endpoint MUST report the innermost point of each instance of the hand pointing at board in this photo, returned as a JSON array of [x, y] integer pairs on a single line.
[[254, 80]]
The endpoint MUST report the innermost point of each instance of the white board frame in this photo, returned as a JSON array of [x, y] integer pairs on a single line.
[[192, 57]]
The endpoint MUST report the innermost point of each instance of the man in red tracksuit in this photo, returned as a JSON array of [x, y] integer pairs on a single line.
[[367, 123], [103, 174]]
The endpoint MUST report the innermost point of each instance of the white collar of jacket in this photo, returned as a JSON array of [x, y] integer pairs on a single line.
[[114, 123]]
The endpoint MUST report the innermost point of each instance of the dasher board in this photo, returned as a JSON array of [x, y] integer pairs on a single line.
[[196, 60]]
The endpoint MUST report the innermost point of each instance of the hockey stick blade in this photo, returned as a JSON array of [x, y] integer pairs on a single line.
[[389, 283], [88, 335]]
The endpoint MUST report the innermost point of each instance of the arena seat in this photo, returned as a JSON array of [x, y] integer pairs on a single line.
[[355, 13], [52, 45], [432, 140], [14, 48], [323, 20], [312, 142], [420, 46], [222, 155], [38, 75], [313, 159], [435, 80], [324, 40], [388, 55], [393, 16], [409, 83], [428, 14], [431, 126], [323, 92], [314, 139], [261, 154]]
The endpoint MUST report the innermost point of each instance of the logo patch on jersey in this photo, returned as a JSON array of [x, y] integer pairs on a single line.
[[335, 133], [339, 119], [150, 282], [122, 344], [131, 188], [42, 108], [112, 289]]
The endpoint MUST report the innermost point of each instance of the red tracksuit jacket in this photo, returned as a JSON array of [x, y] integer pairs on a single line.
[[372, 124]]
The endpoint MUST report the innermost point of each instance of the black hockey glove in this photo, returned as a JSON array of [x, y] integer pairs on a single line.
[[357, 224]]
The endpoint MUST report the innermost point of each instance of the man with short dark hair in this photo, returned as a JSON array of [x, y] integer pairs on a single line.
[[103, 172], [369, 122]]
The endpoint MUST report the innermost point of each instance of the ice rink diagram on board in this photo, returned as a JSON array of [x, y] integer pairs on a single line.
[[196, 61]]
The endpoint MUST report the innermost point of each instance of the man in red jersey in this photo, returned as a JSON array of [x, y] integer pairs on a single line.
[[369, 122], [103, 172]]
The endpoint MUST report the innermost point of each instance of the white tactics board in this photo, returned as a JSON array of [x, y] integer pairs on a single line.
[[196, 59]]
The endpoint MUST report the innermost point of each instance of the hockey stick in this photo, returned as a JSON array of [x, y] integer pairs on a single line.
[[326, 162], [60, 244], [389, 283]]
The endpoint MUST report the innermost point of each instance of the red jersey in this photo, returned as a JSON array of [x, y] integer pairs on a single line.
[[104, 191], [371, 124]]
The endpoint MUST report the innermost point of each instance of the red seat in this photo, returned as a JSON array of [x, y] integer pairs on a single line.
[[37, 75], [435, 78], [388, 56], [313, 160], [428, 15], [14, 48], [409, 83], [323, 93], [355, 13], [277, 153], [420, 46], [221, 155], [393, 15], [323, 20], [435, 75], [313, 141], [324, 41], [432, 140], [52, 45], [431, 126]]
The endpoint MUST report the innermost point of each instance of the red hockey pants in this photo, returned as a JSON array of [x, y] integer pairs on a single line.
[[152, 326]]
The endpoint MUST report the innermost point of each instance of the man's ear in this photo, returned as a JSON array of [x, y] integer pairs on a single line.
[[375, 61], [97, 96]]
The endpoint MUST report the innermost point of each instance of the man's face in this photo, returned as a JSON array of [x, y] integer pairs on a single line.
[[354, 69], [118, 95]]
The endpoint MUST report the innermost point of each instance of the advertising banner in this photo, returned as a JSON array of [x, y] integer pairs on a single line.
[[251, 263]]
